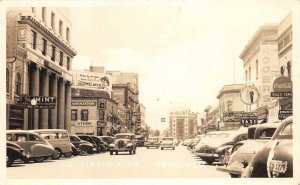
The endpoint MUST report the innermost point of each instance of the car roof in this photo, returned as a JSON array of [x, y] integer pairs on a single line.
[[131, 134], [47, 130], [20, 131]]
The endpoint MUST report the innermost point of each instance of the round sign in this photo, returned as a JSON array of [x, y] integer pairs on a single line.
[[283, 84], [249, 95]]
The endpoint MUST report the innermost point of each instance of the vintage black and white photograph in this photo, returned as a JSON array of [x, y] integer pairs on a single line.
[[150, 89]]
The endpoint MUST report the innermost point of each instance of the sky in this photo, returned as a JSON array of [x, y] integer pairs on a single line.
[[184, 51]]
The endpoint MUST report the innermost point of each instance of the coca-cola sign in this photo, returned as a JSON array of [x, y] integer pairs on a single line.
[[283, 84]]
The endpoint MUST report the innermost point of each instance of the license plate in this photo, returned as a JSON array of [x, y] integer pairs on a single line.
[[278, 166]]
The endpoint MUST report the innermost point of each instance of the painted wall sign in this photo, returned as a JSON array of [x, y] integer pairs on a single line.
[[232, 116], [75, 103]]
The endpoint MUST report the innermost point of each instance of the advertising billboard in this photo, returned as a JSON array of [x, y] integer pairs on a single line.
[[92, 81]]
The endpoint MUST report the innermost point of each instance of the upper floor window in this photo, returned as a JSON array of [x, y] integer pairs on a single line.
[[53, 53], [288, 67], [61, 58], [60, 27], [44, 14], [34, 39], [256, 69], [18, 84], [33, 10], [282, 70], [84, 115], [68, 34], [74, 115], [250, 74], [7, 80], [53, 20], [68, 63], [44, 47]]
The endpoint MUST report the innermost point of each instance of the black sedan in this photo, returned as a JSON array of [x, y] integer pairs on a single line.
[[80, 146], [13, 152]]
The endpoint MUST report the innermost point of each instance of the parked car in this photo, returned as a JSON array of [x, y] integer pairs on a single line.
[[80, 146], [194, 142], [140, 140], [13, 152], [242, 152], [275, 159], [98, 145], [59, 139], [152, 142], [214, 148], [186, 142], [177, 142], [124, 142], [168, 142], [35, 147], [107, 139]]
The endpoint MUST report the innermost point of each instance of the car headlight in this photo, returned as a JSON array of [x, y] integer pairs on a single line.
[[112, 145], [129, 145]]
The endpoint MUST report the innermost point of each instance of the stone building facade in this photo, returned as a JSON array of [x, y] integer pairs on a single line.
[[38, 63]]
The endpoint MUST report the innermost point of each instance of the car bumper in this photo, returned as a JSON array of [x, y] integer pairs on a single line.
[[152, 145], [167, 146], [230, 170], [120, 149], [209, 155]]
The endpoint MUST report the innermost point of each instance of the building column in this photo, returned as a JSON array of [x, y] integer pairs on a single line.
[[61, 104], [34, 90], [44, 91], [53, 112], [68, 107]]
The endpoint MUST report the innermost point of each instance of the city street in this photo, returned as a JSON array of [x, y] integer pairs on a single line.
[[147, 163]]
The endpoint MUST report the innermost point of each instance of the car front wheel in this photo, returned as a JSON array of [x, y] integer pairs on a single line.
[[111, 152], [83, 152], [57, 154], [9, 161], [161, 148]]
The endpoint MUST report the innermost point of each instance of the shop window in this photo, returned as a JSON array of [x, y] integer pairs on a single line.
[[18, 84], [84, 115], [74, 115]]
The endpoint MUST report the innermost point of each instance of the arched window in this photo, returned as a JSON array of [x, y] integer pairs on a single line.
[[18, 84], [7, 80]]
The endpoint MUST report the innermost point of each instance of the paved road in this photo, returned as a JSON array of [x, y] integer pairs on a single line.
[[147, 163]]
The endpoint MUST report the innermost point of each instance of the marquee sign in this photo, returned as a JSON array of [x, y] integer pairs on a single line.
[[37, 102]]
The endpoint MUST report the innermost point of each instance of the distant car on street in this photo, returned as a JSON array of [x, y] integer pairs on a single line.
[[140, 140], [152, 142], [168, 142], [124, 142]]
